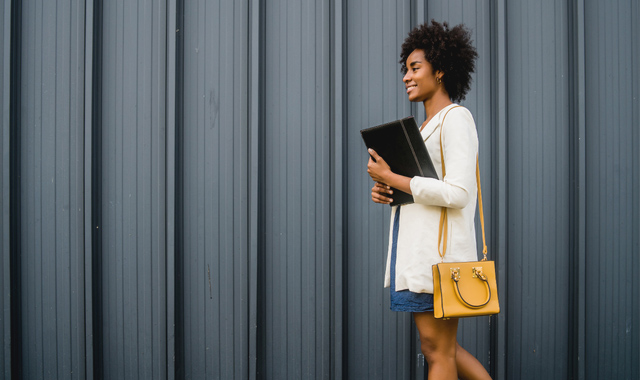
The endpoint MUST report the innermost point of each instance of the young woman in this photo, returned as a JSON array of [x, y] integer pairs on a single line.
[[437, 62]]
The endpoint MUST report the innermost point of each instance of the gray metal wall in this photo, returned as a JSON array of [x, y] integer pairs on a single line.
[[131, 161], [612, 183], [46, 189], [539, 189], [5, 284], [184, 193], [215, 190]]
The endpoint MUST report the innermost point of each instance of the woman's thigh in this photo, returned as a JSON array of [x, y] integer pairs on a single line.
[[437, 336]]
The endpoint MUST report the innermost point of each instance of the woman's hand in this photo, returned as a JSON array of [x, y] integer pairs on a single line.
[[379, 170], [381, 173], [380, 193]]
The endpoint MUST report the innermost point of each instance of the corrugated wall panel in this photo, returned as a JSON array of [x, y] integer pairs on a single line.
[[267, 153], [52, 267], [132, 252], [538, 187], [499, 179], [474, 333], [613, 189], [215, 191], [297, 156], [5, 224], [379, 342]]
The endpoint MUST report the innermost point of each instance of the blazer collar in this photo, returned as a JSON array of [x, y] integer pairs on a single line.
[[433, 124]]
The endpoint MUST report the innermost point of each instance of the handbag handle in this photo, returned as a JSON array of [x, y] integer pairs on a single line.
[[443, 227], [477, 272]]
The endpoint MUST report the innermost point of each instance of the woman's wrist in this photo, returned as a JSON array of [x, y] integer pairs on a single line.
[[399, 182]]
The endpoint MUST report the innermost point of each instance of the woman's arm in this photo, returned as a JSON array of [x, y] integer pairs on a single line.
[[460, 144]]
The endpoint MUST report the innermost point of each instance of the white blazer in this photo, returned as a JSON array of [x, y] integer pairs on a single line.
[[417, 247]]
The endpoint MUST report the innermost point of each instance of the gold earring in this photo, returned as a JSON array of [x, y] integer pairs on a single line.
[[438, 80]]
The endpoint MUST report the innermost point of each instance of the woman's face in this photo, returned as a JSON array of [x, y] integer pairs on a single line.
[[420, 80]]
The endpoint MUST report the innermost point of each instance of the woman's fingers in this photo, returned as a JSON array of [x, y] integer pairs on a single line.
[[377, 198], [382, 188], [377, 168], [380, 193], [375, 155]]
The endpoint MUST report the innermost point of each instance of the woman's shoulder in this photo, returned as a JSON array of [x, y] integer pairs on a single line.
[[458, 114], [460, 110]]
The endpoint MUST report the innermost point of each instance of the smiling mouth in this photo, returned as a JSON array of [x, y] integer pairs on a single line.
[[409, 88]]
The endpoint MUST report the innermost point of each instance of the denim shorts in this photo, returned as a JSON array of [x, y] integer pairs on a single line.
[[405, 300]]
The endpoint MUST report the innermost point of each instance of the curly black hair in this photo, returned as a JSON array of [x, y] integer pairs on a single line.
[[447, 50]]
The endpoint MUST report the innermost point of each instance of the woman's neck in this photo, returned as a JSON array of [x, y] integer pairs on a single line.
[[434, 104]]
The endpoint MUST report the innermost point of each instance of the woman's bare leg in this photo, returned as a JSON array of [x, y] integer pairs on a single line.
[[438, 344], [469, 368]]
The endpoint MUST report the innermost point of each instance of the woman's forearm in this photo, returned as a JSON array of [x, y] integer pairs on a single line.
[[399, 182]]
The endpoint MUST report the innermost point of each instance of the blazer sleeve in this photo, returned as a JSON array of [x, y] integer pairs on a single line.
[[460, 144]]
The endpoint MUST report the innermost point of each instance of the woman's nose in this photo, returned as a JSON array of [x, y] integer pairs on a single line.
[[406, 78]]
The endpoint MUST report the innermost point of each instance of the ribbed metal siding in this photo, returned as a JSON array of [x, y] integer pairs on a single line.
[[132, 257], [302, 304], [296, 319], [539, 190], [5, 272], [215, 191], [51, 168], [613, 189], [379, 342]]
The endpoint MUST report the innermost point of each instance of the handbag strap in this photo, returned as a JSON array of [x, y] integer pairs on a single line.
[[443, 227], [484, 241]]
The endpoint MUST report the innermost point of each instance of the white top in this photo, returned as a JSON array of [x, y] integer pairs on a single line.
[[418, 234]]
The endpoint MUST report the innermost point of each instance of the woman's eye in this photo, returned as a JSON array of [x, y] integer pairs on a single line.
[[415, 69]]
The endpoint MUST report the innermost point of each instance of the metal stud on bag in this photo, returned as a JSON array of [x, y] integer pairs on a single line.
[[455, 274], [477, 272]]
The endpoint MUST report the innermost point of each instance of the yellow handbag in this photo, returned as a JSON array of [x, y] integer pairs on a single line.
[[465, 289]]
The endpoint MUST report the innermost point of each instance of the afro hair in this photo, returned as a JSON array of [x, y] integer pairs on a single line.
[[447, 50]]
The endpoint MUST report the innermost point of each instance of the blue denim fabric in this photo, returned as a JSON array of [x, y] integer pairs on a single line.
[[405, 300]]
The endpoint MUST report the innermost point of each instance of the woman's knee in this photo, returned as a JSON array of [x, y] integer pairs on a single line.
[[435, 349], [438, 358]]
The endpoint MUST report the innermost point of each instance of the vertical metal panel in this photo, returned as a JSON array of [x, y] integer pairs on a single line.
[[173, 95], [51, 204], [133, 261], [256, 114], [612, 55], [15, 254], [474, 333], [378, 340], [499, 179], [215, 188], [337, 74], [577, 274], [538, 119], [297, 209], [91, 190], [5, 191]]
